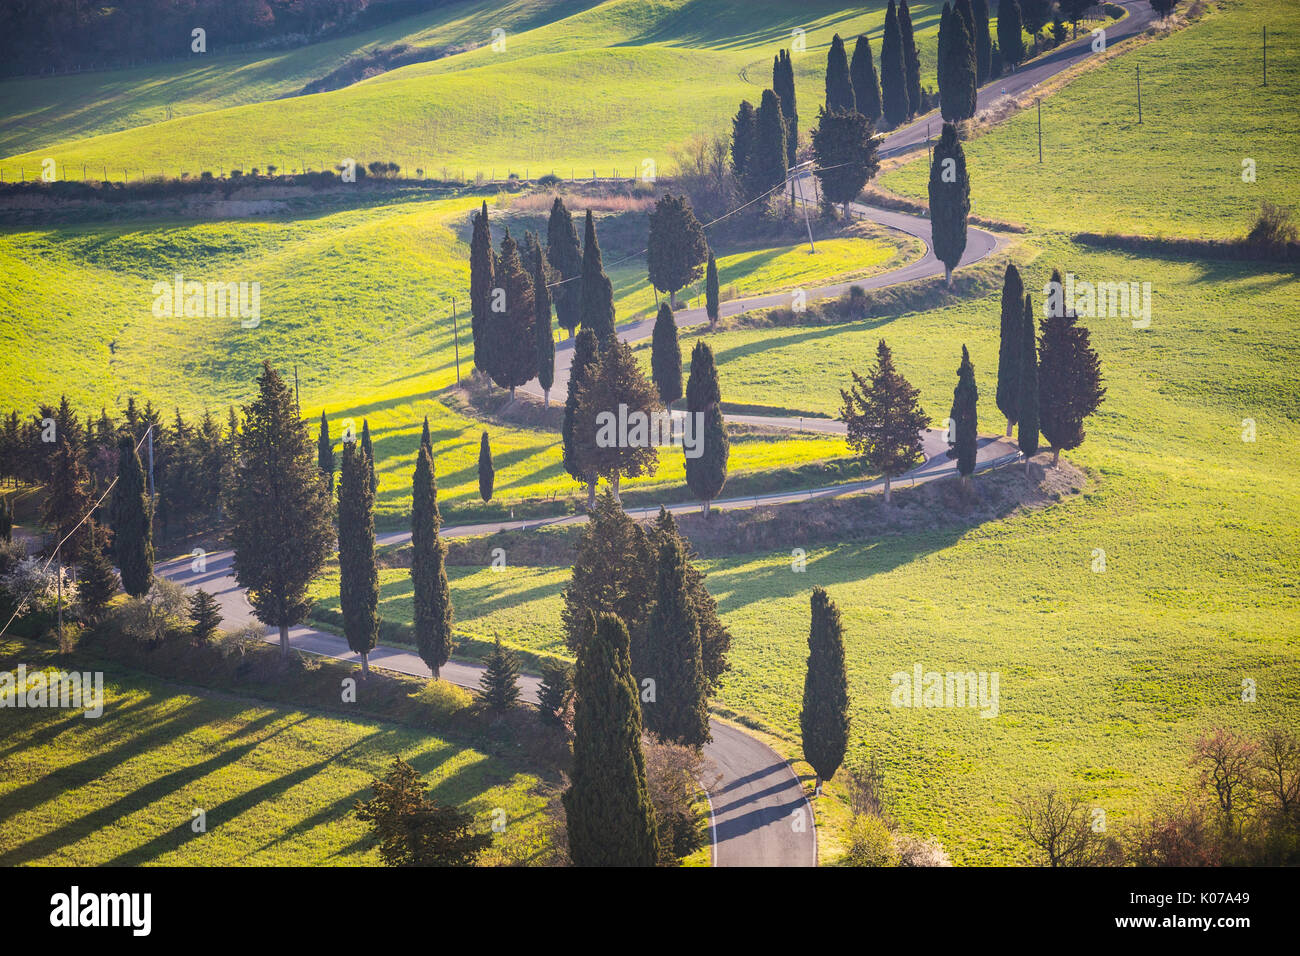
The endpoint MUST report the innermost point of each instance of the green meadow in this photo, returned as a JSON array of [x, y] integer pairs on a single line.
[[276, 784]]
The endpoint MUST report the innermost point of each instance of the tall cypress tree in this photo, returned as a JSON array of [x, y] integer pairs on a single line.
[[97, 582], [866, 87], [325, 453], [67, 498], [1027, 418], [281, 515], [1009, 345], [564, 252], [615, 385], [824, 720], [586, 353], [983, 44], [609, 815], [767, 166], [893, 71], [957, 85], [358, 575], [1011, 46], [1070, 379], [544, 339], [666, 357], [706, 474], [712, 295], [839, 84], [510, 332], [744, 133], [425, 440], [429, 589], [597, 291], [702, 388], [481, 283], [963, 434], [500, 680], [783, 86], [949, 198], [680, 711], [129, 519], [368, 447], [911, 58], [486, 472]]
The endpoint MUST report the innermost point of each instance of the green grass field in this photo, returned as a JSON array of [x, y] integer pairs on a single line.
[[1205, 110], [277, 785], [626, 54]]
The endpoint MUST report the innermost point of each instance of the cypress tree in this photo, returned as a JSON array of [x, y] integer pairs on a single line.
[[555, 692], [205, 616], [544, 358], [67, 497], [597, 310], [1013, 293], [911, 58], [866, 87], [500, 680], [666, 357], [983, 44], [616, 382], [486, 473], [957, 85], [96, 580], [429, 589], [281, 516], [608, 812], [767, 166], [585, 355], [358, 575], [824, 720], [712, 303], [676, 249], [744, 132], [839, 85], [425, 440], [510, 332], [680, 712], [368, 447], [129, 519], [325, 453], [963, 426], [1027, 419], [949, 199], [1069, 378], [844, 146], [1011, 46], [482, 281], [564, 252], [783, 87], [894, 97], [883, 418], [706, 474]]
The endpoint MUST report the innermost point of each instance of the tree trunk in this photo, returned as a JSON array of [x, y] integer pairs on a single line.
[[436, 671], [672, 300], [704, 508], [512, 394], [284, 642], [365, 666], [1010, 423], [947, 272], [546, 397], [886, 489], [591, 494], [1056, 457], [613, 484], [817, 788]]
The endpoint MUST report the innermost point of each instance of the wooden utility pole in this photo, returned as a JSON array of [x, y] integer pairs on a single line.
[[807, 223], [455, 331], [1040, 129], [1139, 75], [1266, 56]]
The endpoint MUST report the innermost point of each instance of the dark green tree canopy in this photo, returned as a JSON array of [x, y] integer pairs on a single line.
[[564, 252], [1013, 298], [839, 84], [866, 87], [884, 418], [1027, 418], [430, 591], [893, 71], [844, 146], [1070, 386], [768, 164], [597, 293], [666, 357], [744, 133], [963, 425], [824, 720], [911, 58], [358, 574], [676, 250], [949, 199], [486, 472], [1011, 46]]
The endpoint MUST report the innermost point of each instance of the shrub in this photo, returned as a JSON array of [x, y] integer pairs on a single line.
[[1273, 227], [33, 587], [916, 851], [162, 613], [442, 701], [239, 642], [870, 843], [550, 179]]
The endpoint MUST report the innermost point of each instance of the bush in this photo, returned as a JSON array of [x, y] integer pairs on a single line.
[[241, 641], [33, 587], [161, 614], [870, 843], [1273, 227], [442, 700], [550, 179], [915, 851]]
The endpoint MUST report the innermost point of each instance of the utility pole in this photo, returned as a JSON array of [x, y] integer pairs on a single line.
[[455, 331], [1266, 56], [1040, 129], [295, 389], [807, 223], [58, 564], [1139, 75]]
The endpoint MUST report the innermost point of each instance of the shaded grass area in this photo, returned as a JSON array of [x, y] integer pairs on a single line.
[[276, 784]]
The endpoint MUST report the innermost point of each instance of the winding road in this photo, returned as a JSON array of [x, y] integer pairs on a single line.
[[759, 813]]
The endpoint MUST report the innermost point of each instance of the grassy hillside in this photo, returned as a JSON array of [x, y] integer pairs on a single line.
[[1179, 172], [277, 784], [625, 54]]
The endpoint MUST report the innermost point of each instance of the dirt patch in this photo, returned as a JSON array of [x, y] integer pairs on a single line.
[[476, 399]]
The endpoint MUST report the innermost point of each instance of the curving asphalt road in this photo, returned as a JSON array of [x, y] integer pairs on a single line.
[[759, 813]]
